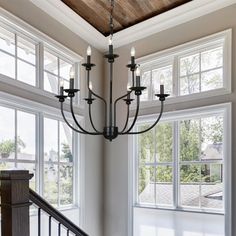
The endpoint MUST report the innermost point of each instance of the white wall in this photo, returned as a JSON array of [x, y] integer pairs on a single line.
[[116, 153], [92, 166]]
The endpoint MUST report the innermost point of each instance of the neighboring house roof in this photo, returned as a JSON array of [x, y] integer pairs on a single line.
[[212, 152]]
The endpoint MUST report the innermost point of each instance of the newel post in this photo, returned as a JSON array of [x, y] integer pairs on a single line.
[[15, 202]]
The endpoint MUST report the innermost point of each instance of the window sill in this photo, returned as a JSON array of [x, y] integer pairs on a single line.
[[181, 209], [184, 98]]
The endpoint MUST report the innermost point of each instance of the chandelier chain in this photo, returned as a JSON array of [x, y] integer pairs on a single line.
[[111, 17]]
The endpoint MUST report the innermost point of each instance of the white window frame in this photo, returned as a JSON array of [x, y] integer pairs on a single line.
[[42, 111], [224, 108], [22, 29], [170, 57]]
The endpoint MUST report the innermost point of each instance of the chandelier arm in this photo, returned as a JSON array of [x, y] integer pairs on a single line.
[[63, 115], [158, 119], [99, 97], [91, 120], [77, 123], [105, 105], [125, 95], [135, 117], [127, 119]]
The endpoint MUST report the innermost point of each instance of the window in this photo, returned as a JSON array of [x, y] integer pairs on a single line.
[[34, 61], [181, 163], [19, 130], [199, 68]]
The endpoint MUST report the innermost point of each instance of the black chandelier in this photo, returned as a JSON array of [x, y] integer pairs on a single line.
[[110, 130]]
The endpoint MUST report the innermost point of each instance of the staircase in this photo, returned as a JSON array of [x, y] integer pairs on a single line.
[[16, 198]]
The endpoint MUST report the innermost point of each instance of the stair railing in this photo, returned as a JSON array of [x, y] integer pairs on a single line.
[[16, 198]]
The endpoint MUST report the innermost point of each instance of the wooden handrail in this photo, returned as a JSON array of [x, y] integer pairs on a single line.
[[54, 213]]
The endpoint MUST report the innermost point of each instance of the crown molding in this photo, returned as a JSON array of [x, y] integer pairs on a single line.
[[187, 12]]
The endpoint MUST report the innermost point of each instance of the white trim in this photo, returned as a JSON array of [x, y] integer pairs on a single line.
[[26, 29], [169, 19], [226, 109]]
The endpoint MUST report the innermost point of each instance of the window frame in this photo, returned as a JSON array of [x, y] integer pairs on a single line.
[[19, 28], [41, 111], [176, 116], [170, 57]]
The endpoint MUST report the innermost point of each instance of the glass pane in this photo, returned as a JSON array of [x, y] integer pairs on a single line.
[[51, 183], [26, 136], [65, 69], [146, 145], [50, 140], [189, 65], [212, 138], [212, 186], [189, 84], [7, 65], [26, 50], [166, 73], [66, 185], [146, 186], [189, 140], [212, 58], [65, 143], [7, 41], [32, 170], [50, 83], [26, 73], [190, 176], [164, 137], [146, 82], [7, 133], [50, 62], [164, 185], [4, 165], [212, 80]]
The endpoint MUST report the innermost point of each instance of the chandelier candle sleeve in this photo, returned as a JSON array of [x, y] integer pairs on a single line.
[[132, 52], [90, 88], [162, 85], [62, 87], [89, 52], [138, 77], [110, 45], [72, 76]]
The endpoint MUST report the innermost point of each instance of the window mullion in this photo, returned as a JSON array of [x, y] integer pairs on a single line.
[[58, 165], [40, 160], [16, 57], [176, 152], [16, 125], [175, 76]]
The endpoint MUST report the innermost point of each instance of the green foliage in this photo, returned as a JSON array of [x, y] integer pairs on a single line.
[[155, 147], [8, 146], [67, 152]]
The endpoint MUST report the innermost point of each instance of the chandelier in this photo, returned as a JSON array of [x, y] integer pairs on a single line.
[[110, 130]]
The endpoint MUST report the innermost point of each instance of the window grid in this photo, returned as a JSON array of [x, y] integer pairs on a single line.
[[38, 151], [176, 164]]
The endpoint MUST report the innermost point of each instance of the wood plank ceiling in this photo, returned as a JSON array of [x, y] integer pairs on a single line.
[[126, 12]]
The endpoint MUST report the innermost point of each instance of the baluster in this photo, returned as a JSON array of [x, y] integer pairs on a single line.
[[59, 229], [68, 232], [39, 221], [50, 226]]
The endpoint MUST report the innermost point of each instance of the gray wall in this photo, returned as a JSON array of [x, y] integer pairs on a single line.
[[93, 205], [116, 153]]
